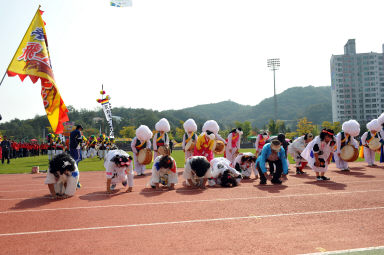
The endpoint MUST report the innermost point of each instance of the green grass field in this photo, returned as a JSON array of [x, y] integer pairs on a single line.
[[24, 165]]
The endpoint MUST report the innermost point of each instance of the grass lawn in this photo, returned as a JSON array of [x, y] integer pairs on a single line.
[[24, 165]]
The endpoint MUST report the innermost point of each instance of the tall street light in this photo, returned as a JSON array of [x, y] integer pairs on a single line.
[[274, 64]]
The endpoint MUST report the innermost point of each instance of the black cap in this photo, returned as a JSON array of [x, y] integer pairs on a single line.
[[79, 126]]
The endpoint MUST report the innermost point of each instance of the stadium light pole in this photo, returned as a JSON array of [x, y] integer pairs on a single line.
[[274, 64]]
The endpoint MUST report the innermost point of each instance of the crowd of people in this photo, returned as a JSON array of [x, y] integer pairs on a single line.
[[201, 168]]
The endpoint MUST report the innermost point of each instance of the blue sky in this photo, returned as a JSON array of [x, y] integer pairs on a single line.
[[171, 54]]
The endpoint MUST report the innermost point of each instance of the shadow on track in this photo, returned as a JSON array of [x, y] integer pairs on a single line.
[[33, 202], [328, 184], [102, 195]]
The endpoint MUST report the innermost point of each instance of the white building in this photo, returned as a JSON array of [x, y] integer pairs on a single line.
[[357, 82]]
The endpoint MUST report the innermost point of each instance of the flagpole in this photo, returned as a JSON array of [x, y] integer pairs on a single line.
[[30, 24], [3, 77]]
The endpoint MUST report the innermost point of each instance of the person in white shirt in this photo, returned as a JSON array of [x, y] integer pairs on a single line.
[[118, 168], [161, 137], [223, 173], [296, 148], [373, 132], [62, 176], [140, 141], [197, 170], [318, 153], [245, 164], [233, 144], [164, 171], [190, 135], [350, 129]]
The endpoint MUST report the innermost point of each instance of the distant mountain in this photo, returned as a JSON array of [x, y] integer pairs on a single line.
[[294, 103]]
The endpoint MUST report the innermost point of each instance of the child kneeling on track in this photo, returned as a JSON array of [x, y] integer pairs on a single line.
[[118, 166], [223, 174], [164, 172], [62, 176], [197, 170], [245, 164]]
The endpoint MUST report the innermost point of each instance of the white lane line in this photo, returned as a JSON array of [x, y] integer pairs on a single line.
[[193, 221], [346, 251], [189, 201], [240, 187]]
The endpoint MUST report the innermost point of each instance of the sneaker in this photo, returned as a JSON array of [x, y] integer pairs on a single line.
[[113, 186], [324, 178], [319, 178], [78, 185], [263, 182], [276, 181], [124, 183], [345, 170]]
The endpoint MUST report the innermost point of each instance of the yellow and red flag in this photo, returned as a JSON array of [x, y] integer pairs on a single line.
[[32, 59]]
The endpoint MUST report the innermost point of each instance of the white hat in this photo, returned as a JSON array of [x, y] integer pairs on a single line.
[[143, 133], [381, 119], [351, 127], [190, 125], [374, 125], [163, 125], [212, 126]]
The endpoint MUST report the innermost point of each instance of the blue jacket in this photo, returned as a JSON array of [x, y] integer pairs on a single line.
[[266, 151]]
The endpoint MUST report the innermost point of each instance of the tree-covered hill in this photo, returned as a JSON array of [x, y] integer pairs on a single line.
[[294, 103]]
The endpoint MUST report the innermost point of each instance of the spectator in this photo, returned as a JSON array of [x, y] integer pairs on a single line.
[[6, 150]]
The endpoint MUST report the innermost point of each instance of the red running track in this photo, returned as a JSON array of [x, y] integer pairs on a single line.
[[301, 216]]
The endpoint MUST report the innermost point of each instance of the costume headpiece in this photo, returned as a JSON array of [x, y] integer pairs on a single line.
[[163, 125], [143, 133], [190, 126], [351, 127], [212, 126], [374, 125]]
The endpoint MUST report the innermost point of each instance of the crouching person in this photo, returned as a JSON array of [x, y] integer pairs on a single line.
[[223, 174], [164, 172], [62, 176], [118, 166], [275, 154], [245, 164], [197, 170]]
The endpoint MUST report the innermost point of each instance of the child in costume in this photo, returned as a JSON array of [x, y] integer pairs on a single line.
[[205, 144], [350, 129], [161, 137], [142, 140], [374, 129], [245, 164], [62, 176], [197, 170], [92, 141], [101, 153], [164, 172], [190, 128], [233, 145], [273, 153], [318, 153], [296, 148], [260, 141], [223, 174], [118, 167]]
